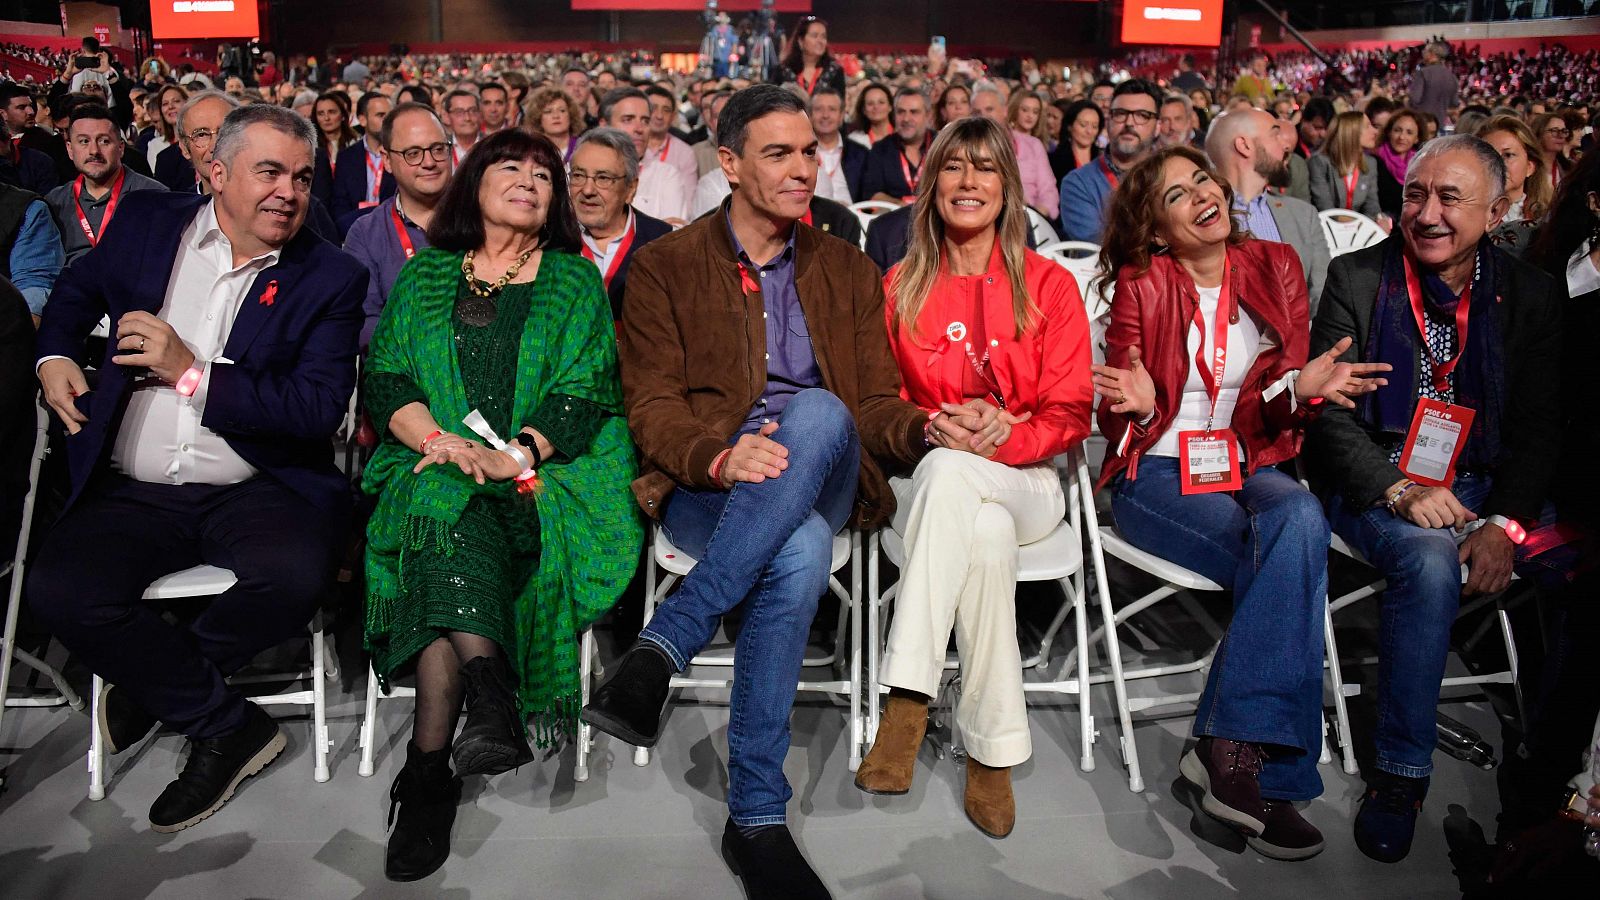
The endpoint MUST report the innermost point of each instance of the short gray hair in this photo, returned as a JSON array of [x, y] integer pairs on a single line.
[[1494, 168], [1178, 99], [199, 97], [613, 139], [230, 137], [988, 87]]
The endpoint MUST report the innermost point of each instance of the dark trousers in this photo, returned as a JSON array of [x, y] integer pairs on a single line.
[[96, 563]]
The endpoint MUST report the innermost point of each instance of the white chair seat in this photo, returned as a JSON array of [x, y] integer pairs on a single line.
[[673, 560], [1170, 572]]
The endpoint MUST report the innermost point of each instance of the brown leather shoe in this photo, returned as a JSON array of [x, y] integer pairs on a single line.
[[1227, 773], [988, 802], [1288, 836], [893, 757]]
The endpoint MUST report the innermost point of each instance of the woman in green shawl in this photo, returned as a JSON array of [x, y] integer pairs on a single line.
[[504, 526]]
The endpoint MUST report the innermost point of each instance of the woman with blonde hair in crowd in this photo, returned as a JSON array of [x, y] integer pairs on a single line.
[[1553, 134], [1526, 185], [1025, 116], [1342, 175], [550, 112], [992, 341]]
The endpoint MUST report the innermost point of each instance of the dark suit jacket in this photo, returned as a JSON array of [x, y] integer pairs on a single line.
[[1343, 454], [882, 173], [173, 170], [854, 161], [293, 361], [350, 182], [835, 218], [322, 176], [646, 229]]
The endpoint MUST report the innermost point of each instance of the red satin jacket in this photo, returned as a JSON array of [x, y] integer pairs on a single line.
[[1154, 311], [1045, 371]]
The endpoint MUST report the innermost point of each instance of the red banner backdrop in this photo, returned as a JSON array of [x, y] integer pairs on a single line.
[[787, 6]]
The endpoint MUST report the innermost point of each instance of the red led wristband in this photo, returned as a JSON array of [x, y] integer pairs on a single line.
[[189, 381]]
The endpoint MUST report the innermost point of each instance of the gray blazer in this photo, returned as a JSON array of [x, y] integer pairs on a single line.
[[1299, 227], [1328, 188], [1299, 179]]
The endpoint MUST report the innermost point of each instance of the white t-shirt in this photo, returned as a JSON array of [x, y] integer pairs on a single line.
[[1245, 343]]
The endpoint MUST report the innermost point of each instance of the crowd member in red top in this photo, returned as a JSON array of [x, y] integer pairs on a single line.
[[1207, 388], [975, 319]]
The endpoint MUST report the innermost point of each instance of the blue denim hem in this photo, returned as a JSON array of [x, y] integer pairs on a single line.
[[1290, 798], [678, 662], [1405, 771], [756, 821], [1246, 736]]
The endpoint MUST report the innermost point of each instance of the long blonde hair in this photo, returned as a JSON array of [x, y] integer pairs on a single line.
[[1343, 146], [1537, 191], [978, 140], [1014, 111]]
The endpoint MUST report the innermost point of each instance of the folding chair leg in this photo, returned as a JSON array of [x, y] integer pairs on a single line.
[[369, 725], [1130, 750], [97, 750], [580, 766], [1341, 709], [1080, 613], [319, 703], [1511, 660], [854, 654], [874, 641]]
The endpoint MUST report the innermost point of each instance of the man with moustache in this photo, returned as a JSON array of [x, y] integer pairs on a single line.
[[416, 155], [1086, 190], [602, 178], [231, 362], [85, 206]]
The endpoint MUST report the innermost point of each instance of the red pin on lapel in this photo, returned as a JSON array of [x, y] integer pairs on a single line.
[[270, 295]]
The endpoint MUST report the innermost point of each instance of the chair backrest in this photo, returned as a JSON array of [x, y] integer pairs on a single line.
[[1044, 233], [867, 210], [1082, 259], [1347, 230]]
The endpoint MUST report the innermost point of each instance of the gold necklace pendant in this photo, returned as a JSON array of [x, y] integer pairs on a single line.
[[499, 285]]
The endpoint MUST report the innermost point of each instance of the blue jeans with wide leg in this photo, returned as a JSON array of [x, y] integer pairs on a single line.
[[768, 546], [1268, 543]]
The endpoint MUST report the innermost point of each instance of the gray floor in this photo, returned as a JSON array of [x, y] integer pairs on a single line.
[[653, 831]]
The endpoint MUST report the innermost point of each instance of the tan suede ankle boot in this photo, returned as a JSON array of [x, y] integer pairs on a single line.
[[989, 802], [893, 757]]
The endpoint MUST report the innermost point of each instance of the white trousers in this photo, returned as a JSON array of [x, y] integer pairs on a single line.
[[962, 518]]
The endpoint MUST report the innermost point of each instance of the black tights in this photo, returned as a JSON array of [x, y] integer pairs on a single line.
[[439, 688]]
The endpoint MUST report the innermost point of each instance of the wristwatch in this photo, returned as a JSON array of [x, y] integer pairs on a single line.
[[526, 439], [1574, 805]]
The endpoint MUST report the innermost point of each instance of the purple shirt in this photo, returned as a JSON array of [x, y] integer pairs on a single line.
[[791, 361], [373, 240], [1258, 218]]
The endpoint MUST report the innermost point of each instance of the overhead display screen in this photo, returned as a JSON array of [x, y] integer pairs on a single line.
[[1195, 23], [172, 20]]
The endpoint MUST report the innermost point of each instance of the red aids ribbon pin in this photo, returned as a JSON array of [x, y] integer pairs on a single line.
[[270, 295]]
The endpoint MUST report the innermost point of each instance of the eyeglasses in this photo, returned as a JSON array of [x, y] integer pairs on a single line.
[[462, 111], [201, 136], [413, 155], [1559, 132], [605, 181], [1143, 116]]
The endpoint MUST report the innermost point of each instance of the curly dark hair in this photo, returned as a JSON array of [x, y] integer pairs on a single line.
[[1130, 225], [1571, 221]]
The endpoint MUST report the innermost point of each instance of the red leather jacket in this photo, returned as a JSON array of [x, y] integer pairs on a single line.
[[1155, 311], [1045, 371]]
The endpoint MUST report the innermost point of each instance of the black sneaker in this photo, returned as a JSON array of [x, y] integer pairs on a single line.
[[213, 771], [632, 705], [771, 865], [1388, 817], [121, 722], [495, 737], [422, 808]]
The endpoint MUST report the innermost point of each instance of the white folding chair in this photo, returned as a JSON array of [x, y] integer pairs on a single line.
[[1043, 232], [867, 210], [674, 564], [64, 694], [1057, 557], [208, 581], [1347, 230]]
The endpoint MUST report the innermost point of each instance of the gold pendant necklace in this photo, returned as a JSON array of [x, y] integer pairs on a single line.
[[499, 285]]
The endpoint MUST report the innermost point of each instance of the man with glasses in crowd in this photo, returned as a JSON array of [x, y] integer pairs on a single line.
[[462, 115], [1086, 190], [602, 179], [416, 153]]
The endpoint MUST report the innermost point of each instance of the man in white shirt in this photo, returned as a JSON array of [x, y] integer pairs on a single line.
[[839, 162], [662, 147], [661, 192], [206, 441]]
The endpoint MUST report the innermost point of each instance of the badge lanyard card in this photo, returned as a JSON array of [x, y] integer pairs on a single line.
[[1209, 459], [1438, 430]]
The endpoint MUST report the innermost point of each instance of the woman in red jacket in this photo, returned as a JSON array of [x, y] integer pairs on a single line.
[[992, 341], [1205, 390]]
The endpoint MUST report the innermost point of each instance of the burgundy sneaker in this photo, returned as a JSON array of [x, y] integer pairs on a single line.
[[1228, 774], [1288, 836]]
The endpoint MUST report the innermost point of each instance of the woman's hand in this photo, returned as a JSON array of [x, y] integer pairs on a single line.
[[1130, 390], [1335, 381], [481, 464]]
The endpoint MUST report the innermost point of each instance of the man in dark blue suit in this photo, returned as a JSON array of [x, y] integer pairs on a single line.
[[602, 179], [894, 164], [206, 440], [360, 181]]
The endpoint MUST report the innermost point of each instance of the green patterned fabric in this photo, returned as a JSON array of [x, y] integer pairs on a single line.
[[589, 532]]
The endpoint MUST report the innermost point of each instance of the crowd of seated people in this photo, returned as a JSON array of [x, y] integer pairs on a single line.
[[549, 270]]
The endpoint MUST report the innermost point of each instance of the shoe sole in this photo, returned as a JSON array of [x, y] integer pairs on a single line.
[[253, 765], [877, 793], [1285, 854], [104, 727], [1195, 771], [486, 758], [415, 876], [621, 732], [996, 836]]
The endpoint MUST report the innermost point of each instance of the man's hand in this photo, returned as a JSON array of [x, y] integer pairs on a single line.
[[1328, 378], [1434, 507], [62, 380], [755, 458], [153, 344], [1488, 554]]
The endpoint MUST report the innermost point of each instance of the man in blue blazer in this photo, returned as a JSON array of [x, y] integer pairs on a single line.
[[206, 440], [360, 181]]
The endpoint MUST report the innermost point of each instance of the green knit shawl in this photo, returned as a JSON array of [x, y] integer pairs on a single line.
[[589, 527]]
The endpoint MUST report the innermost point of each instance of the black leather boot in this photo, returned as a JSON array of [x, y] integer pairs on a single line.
[[422, 807], [495, 738], [633, 703]]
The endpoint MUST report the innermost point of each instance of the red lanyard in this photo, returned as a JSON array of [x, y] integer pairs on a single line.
[[1219, 341], [400, 231], [1350, 188], [811, 88], [617, 255], [1105, 169], [375, 169], [665, 146], [914, 175], [1441, 370], [111, 207]]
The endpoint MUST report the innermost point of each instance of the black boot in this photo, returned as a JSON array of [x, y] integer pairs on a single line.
[[422, 807], [495, 738], [633, 703], [771, 864]]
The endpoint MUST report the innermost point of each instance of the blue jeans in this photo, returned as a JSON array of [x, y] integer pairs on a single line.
[[1415, 613], [1268, 543], [768, 545]]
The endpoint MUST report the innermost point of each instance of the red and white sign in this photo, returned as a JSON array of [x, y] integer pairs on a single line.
[[200, 19], [102, 33], [1195, 23], [783, 6]]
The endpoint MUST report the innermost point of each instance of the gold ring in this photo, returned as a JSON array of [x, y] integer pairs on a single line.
[[141, 343], [1124, 397]]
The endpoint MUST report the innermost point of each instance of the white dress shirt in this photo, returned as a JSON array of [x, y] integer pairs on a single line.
[[161, 439], [831, 182], [710, 192], [676, 155], [603, 258], [661, 193]]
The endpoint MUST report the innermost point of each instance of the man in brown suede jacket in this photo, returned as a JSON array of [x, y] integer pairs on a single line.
[[766, 405]]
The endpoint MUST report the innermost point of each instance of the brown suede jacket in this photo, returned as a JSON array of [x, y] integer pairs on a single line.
[[693, 353]]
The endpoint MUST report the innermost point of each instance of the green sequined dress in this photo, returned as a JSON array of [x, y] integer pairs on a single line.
[[468, 577]]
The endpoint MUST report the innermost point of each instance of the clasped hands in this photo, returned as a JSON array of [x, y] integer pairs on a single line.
[[477, 461]]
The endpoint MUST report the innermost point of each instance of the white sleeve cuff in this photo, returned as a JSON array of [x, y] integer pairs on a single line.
[[44, 359]]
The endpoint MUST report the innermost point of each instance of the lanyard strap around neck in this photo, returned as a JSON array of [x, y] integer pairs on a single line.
[[1219, 341], [1440, 374]]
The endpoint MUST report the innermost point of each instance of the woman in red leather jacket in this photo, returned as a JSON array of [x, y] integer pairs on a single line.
[[993, 342], [1205, 390]]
